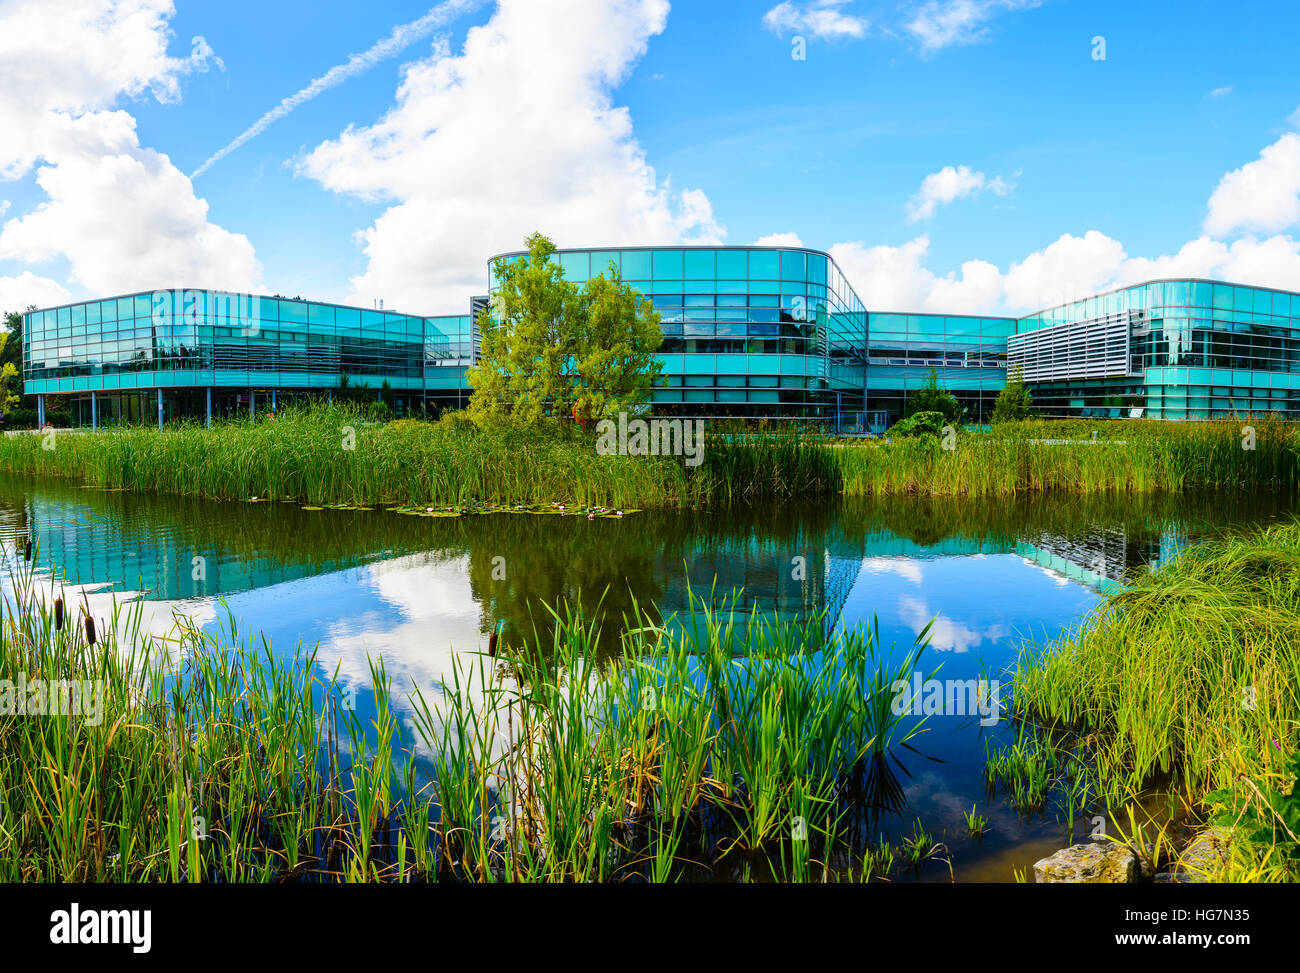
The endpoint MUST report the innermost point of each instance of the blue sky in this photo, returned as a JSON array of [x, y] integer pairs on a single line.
[[960, 155]]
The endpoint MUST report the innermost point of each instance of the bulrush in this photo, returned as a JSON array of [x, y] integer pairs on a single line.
[[58, 614], [90, 630]]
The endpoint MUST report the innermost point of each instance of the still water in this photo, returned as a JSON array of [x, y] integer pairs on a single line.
[[985, 575]]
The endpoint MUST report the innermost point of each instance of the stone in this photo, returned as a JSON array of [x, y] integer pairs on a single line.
[[1203, 856], [1089, 863]]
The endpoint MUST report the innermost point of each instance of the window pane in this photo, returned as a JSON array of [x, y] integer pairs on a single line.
[[699, 264], [668, 264], [765, 264], [732, 264], [636, 264]]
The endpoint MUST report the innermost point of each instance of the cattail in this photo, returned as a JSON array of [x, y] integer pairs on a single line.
[[27, 550], [90, 630], [58, 614], [492, 644]]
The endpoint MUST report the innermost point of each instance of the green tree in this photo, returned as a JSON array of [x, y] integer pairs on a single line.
[[615, 364], [551, 349], [11, 362], [932, 397], [1014, 402]]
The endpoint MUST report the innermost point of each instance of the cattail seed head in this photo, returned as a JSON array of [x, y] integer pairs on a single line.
[[58, 614], [27, 550], [90, 630]]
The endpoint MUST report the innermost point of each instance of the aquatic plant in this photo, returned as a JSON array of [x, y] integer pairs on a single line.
[[719, 743]]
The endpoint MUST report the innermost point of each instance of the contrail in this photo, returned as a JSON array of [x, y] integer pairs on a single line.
[[403, 36]]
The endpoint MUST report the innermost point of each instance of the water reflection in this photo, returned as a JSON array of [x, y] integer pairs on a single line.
[[360, 584]]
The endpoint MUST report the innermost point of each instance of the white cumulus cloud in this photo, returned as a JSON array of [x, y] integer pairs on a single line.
[[518, 132], [947, 23], [779, 240], [26, 290], [1263, 195], [120, 214], [948, 184], [824, 19]]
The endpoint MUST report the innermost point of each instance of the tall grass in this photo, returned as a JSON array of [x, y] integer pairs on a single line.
[[330, 454], [1189, 678], [1063, 457], [723, 746]]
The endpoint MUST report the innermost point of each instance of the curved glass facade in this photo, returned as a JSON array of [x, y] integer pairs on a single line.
[[753, 332], [748, 331], [1199, 349]]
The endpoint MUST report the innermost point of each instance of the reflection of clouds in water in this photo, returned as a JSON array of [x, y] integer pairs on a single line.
[[1060, 580], [946, 635], [422, 596], [417, 592], [906, 568], [946, 809]]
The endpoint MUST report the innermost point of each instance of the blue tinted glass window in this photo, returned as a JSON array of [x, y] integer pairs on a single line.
[[577, 266], [92, 314], [668, 264], [764, 264], [125, 309], [794, 265], [321, 314], [816, 268], [700, 264], [601, 260], [293, 312], [636, 264], [733, 264]]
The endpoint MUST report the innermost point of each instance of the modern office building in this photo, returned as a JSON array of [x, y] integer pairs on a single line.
[[754, 332]]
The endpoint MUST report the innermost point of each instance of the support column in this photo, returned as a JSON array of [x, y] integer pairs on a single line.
[[40, 411], [209, 408], [252, 404], [94, 412], [160, 410], [272, 400]]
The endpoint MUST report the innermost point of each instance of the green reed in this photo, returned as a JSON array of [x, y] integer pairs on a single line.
[[1045, 457], [721, 743], [334, 454], [1189, 679]]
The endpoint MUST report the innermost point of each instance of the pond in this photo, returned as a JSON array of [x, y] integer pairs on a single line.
[[985, 576]]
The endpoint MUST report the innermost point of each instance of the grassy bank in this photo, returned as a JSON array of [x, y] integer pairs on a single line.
[[693, 756], [1190, 680], [329, 454], [1064, 457]]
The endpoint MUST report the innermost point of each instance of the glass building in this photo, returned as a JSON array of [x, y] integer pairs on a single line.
[[1174, 349], [748, 331], [753, 332]]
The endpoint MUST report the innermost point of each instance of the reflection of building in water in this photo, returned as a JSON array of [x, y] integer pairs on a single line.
[[167, 558], [820, 583], [1102, 558]]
